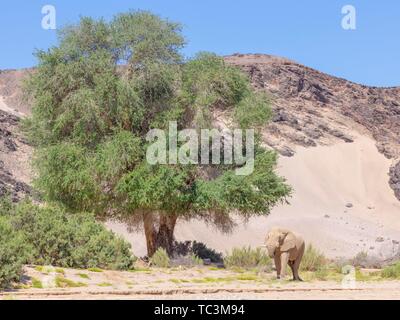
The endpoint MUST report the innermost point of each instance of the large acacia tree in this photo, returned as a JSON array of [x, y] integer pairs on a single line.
[[98, 93]]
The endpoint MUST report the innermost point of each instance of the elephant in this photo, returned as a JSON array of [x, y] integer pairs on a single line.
[[286, 248]]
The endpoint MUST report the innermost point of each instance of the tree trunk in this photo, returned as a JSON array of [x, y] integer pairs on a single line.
[[150, 233], [164, 236]]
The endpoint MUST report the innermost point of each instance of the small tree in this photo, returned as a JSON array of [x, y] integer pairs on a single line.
[[99, 92]]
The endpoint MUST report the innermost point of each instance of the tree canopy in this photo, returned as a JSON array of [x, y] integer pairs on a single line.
[[99, 92]]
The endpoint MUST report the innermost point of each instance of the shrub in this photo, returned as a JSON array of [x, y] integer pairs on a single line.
[[247, 257], [14, 252], [202, 251], [62, 282], [313, 260], [363, 260], [190, 260], [66, 240], [160, 258], [36, 283], [198, 249], [392, 271]]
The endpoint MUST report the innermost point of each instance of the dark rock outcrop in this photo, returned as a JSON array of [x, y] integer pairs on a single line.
[[395, 179]]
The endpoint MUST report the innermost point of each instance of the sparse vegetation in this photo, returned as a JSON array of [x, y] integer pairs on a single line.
[[36, 283], [104, 284], [95, 270], [83, 275], [160, 258], [392, 271], [313, 260], [364, 260], [62, 282], [39, 268], [60, 270], [248, 258], [189, 260]]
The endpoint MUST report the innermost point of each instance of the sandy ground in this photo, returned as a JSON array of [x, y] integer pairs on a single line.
[[325, 179], [193, 283]]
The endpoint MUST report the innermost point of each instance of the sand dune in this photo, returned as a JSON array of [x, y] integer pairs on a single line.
[[325, 179]]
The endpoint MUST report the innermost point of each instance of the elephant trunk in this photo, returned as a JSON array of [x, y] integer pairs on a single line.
[[271, 251]]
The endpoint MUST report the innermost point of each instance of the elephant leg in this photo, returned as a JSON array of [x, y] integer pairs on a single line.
[[296, 266], [291, 263], [295, 269], [284, 262], [277, 260]]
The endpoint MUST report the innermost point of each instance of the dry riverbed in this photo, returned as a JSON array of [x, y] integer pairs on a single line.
[[192, 283]]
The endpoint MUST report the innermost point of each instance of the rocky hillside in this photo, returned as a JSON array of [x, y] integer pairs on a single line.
[[15, 153], [313, 108]]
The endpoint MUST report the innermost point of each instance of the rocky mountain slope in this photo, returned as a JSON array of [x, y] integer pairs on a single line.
[[15, 153], [313, 108]]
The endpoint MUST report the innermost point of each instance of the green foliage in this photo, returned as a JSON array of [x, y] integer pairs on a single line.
[[60, 239], [248, 258], [83, 276], [197, 261], [14, 252], [313, 260], [392, 271], [255, 193], [253, 110], [118, 154], [160, 258], [142, 36], [157, 187], [64, 170], [208, 81]]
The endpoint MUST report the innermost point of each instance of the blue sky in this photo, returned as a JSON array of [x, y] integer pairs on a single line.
[[307, 31]]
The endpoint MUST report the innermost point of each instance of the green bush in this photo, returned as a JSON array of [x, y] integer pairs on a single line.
[[247, 257], [313, 260], [392, 271], [160, 258], [14, 252], [200, 250], [69, 240]]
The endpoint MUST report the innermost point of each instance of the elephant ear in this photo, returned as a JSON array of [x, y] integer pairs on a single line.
[[288, 242]]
